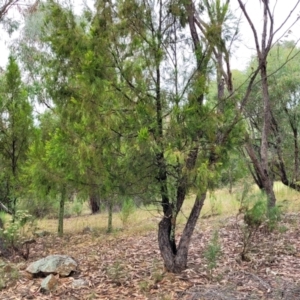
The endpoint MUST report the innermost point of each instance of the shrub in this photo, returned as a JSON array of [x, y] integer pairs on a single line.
[[256, 214], [77, 207], [212, 252], [37, 207], [274, 216], [128, 208], [14, 229]]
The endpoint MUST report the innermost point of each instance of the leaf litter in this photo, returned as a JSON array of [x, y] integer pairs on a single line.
[[130, 267]]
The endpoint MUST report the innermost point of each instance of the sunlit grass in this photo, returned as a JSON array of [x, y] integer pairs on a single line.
[[142, 220], [218, 204]]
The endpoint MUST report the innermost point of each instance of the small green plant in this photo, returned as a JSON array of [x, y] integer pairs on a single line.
[[256, 214], [77, 207], [116, 272], [283, 229], [212, 252], [15, 228], [156, 272], [274, 216], [144, 286], [254, 209], [215, 206], [128, 208]]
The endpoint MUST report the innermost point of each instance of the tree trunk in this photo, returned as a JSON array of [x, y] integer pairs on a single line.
[[94, 202], [61, 212], [267, 180], [264, 177], [110, 214], [177, 262]]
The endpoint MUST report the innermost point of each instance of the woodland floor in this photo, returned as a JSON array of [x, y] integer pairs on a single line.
[[130, 267]]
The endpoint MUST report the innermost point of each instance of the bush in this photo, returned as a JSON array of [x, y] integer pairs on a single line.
[[274, 216], [77, 207], [212, 252], [128, 208], [39, 208], [256, 214], [14, 229]]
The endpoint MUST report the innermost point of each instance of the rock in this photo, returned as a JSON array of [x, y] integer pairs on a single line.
[[79, 283], [49, 283], [53, 264]]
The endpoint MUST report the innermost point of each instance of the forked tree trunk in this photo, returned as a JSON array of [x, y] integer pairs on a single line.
[[177, 262]]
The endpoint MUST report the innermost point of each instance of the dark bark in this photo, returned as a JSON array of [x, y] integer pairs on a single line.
[[264, 179], [176, 263], [110, 213], [95, 203]]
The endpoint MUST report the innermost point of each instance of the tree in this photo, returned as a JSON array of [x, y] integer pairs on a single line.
[[263, 47], [137, 108], [283, 139], [5, 5], [16, 133], [134, 108]]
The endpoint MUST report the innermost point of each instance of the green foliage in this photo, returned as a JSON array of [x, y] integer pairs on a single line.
[[128, 208], [117, 272], [274, 216], [77, 207], [256, 215], [39, 207], [129, 115], [14, 230], [212, 252], [215, 206], [9, 274], [16, 132]]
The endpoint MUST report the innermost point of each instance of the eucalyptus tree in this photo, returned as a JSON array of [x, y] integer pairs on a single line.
[[283, 140], [16, 132], [285, 88], [263, 47]]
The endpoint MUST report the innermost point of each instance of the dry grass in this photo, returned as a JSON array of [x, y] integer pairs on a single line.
[[218, 204]]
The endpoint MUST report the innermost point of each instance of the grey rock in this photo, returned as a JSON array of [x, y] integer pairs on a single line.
[[53, 264], [49, 283]]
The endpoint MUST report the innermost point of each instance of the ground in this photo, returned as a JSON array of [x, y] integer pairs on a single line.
[[128, 266]]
